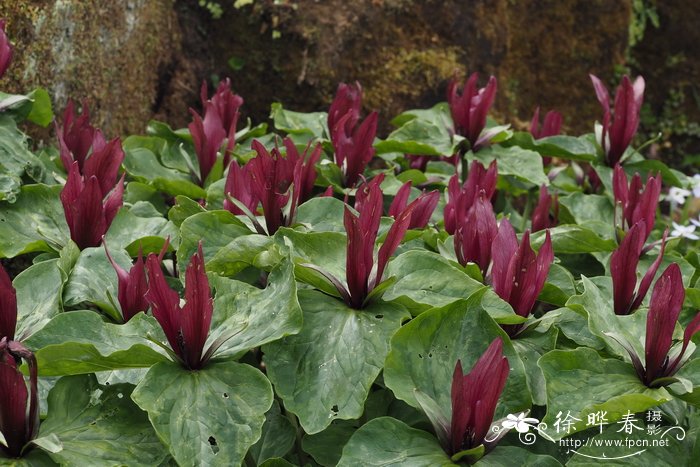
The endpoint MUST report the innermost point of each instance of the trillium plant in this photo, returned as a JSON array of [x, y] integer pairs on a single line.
[[344, 286]]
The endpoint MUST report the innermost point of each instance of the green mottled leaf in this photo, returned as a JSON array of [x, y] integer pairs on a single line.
[[325, 372], [79, 342], [89, 424], [581, 382], [386, 441], [425, 351], [39, 290], [207, 417]]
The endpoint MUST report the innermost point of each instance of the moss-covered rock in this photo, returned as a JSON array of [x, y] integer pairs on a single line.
[[113, 53]]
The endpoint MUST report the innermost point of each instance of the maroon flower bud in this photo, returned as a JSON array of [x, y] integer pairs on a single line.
[[8, 306], [186, 327], [541, 218], [422, 207], [619, 127], [470, 108], [227, 105], [664, 309], [518, 273], [239, 187], [475, 233], [348, 100], [478, 179], [76, 136], [623, 269], [132, 285], [475, 397], [19, 407], [88, 211], [207, 134], [638, 203], [5, 49]]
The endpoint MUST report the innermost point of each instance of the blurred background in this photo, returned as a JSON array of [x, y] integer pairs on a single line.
[[135, 60]]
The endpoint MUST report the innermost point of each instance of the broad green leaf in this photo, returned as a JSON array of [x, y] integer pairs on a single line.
[[426, 279], [323, 249], [325, 372], [690, 371], [523, 164], [326, 447], [131, 225], [184, 208], [142, 164], [559, 286], [438, 114], [258, 316], [292, 122], [41, 112], [574, 326], [94, 280], [386, 442], [15, 159], [596, 302], [33, 222], [595, 212], [207, 417], [530, 346], [215, 229], [39, 290], [79, 342], [89, 424], [573, 239], [137, 191], [322, 214], [580, 382], [425, 351], [255, 250], [561, 146], [418, 136], [278, 436], [653, 166]]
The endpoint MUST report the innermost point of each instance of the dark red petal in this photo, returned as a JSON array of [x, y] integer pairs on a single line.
[[503, 250], [197, 312], [623, 268], [165, 304], [664, 309], [8, 306]]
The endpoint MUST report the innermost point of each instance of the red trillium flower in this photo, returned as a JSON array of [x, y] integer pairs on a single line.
[[550, 127], [308, 166], [352, 143], [422, 207], [541, 218], [227, 105], [186, 327], [89, 212], [664, 309], [620, 125], [623, 269], [5, 49], [207, 134], [76, 136], [348, 100], [638, 202], [239, 186], [19, 406], [479, 178], [132, 284], [475, 396], [470, 108], [8, 306], [362, 272], [518, 274], [475, 233]]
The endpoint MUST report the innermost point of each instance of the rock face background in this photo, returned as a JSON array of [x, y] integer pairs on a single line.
[[139, 59]]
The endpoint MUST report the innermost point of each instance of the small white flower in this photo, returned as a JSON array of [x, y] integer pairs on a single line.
[[677, 195], [696, 185], [687, 231], [695, 222], [520, 422]]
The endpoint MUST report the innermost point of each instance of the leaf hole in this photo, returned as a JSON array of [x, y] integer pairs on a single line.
[[225, 395], [213, 445], [120, 395], [334, 409], [430, 355], [379, 316], [420, 356]]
